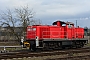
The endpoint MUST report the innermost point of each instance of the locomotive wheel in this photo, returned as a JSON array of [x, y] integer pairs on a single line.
[[45, 45], [82, 44], [32, 47], [63, 47]]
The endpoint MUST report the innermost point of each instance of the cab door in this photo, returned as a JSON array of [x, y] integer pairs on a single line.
[[70, 31]]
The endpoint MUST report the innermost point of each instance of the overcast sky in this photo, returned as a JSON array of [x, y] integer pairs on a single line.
[[49, 11]]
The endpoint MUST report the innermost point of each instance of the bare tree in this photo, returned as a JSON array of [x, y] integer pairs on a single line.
[[21, 17], [24, 16], [8, 20]]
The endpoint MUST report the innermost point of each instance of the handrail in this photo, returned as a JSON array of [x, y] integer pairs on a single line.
[[54, 34], [59, 34], [51, 35]]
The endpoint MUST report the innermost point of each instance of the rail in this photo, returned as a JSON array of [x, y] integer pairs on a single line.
[[61, 54]]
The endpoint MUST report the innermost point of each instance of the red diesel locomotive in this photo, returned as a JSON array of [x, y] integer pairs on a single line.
[[59, 35]]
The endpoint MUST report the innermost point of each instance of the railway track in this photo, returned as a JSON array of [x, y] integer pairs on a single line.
[[86, 57], [62, 54]]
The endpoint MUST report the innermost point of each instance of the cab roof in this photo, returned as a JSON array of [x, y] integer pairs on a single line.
[[62, 22]]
